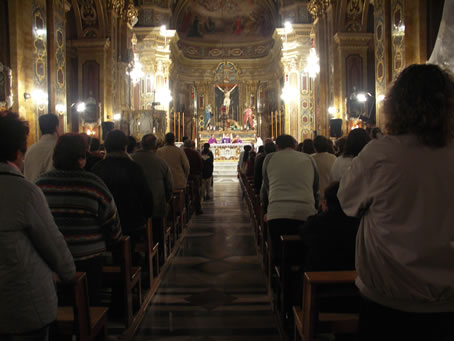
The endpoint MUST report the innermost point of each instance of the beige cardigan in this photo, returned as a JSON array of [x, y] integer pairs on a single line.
[[178, 163]]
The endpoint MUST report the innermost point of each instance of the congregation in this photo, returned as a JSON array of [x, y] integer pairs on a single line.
[[370, 202]]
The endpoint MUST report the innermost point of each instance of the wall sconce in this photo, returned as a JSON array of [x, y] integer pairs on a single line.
[[39, 97], [27, 96], [60, 109], [380, 98], [117, 117], [81, 107], [332, 111]]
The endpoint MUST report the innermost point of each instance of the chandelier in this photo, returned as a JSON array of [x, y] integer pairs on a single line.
[[135, 66], [312, 67], [135, 71]]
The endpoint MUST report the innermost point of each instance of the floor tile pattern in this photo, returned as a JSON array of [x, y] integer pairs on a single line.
[[214, 290]]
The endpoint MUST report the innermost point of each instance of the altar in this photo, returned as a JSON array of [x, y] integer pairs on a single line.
[[227, 151]]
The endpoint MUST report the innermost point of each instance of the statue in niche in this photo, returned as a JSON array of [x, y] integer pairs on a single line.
[[248, 117], [207, 117]]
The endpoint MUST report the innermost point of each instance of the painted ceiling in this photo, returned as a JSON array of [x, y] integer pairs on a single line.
[[226, 28]]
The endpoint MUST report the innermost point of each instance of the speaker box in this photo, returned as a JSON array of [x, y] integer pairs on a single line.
[[335, 127], [106, 128]]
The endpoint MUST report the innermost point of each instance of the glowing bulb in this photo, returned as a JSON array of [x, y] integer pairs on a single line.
[[39, 97], [117, 117], [361, 97], [81, 107], [380, 98], [288, 27], [332, 110]]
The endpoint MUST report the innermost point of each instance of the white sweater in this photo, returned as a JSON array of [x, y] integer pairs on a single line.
[[404, 193], [288, 185]]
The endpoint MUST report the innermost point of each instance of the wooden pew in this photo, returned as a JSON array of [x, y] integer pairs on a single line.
[[328, 285], [128, 276], [169, 228], [151, 250], [87, 323], [288, 277]]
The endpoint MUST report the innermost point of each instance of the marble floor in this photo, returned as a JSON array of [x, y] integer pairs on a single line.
[[214, 289]]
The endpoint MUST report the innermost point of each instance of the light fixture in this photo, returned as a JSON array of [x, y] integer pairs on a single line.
[[312, 67], [40, 32], [332, 110], [81, 107], [289, 93], [135, 67], [39, 97], [164, 95], [288, 27], [117, 117], [60, 108], [362, 97], [380, 98]]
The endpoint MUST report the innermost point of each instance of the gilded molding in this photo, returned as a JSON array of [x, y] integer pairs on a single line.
[[317, 7], [130, 14]]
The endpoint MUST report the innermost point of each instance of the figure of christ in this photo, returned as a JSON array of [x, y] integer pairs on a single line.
[[227, 97]]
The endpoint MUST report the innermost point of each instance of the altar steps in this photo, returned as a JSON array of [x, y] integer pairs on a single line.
[[225, 171]]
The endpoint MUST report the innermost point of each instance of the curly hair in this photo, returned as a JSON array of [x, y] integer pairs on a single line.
[[421, 102]]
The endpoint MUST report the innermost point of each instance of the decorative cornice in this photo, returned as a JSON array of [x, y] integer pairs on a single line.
[[131, 13], [317, 7]]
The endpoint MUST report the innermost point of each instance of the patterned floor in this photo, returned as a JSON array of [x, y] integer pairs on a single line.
[[215, 287]]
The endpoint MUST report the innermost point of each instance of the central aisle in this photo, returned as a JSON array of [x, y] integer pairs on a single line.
[[214, 288]]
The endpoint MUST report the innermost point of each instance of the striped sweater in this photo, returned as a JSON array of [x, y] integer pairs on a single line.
[[83, 209]]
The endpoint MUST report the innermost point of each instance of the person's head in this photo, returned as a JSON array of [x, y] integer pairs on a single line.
[[308, 146], [212, 135], [299, 147], [206, 148], [13, 138], [48, 123], [421, 102], [187, 143], [184, 138], [261, 149], [376, 133], [285, 141], [269, 147], [149, 142], [116, 141], [321, 144], [132, 145], [95, 144], [356, 140], [340, 145], [331, 202], [70, 152], [252, 155], [170, 139]]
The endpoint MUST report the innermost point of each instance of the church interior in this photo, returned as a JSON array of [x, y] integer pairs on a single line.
[[231, 73], [158, 66]]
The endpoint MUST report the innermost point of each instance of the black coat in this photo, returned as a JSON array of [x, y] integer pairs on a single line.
[[128, 185]]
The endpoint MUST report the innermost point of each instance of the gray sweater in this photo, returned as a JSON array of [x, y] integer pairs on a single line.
[[290, 185], [31, 248]]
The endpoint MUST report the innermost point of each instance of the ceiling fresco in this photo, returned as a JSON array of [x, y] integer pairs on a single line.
[[221, 28]]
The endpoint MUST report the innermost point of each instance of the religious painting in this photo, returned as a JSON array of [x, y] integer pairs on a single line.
[[226, 20]]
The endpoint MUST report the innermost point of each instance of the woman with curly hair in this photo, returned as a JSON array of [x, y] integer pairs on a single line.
[[401, 186]]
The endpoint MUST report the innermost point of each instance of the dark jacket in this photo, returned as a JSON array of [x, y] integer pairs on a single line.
[[128, 185], [208, 165], [329, 240], [195, 162]]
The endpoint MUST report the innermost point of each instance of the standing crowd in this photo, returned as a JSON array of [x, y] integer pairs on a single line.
[[379, 204], [63, 203]]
